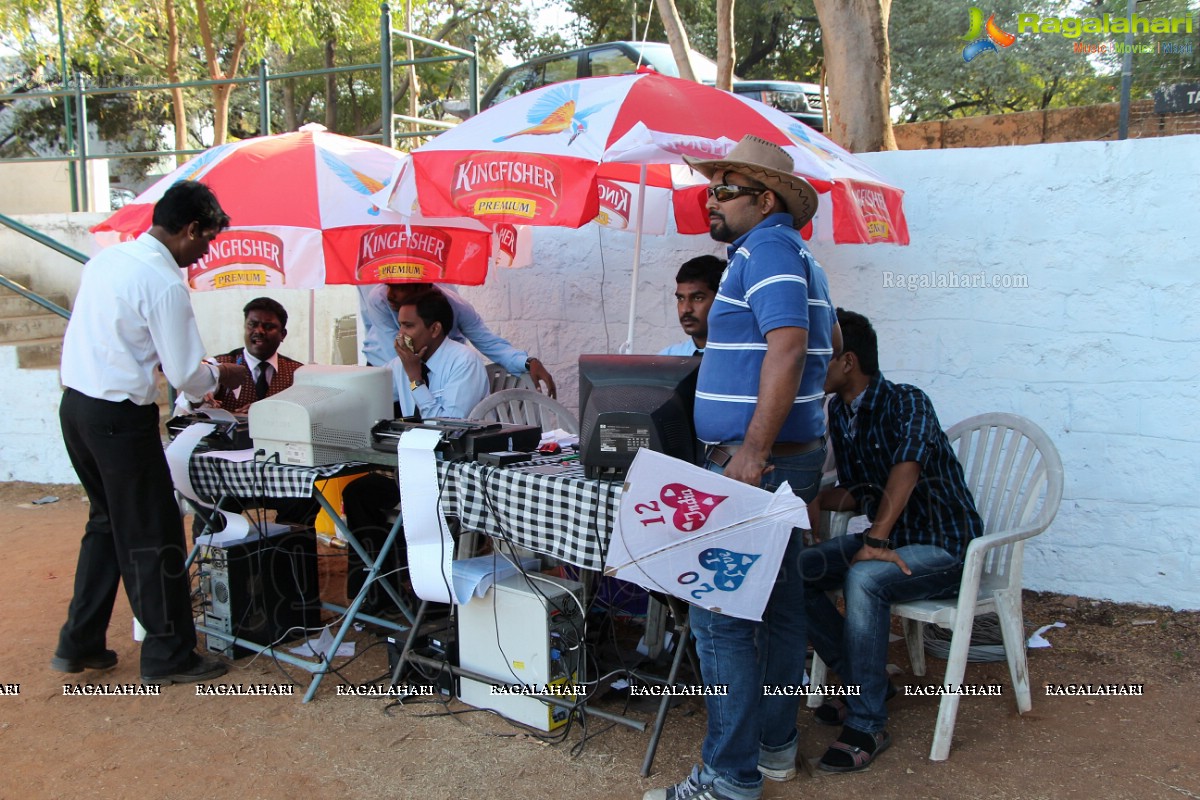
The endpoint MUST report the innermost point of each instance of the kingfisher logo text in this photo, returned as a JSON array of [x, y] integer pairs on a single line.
[[984, 38]]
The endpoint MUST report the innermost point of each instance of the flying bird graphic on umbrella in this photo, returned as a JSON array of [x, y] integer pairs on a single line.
[[554, 113]]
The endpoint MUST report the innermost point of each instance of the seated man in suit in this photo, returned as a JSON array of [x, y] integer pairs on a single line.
[[380, 304], [894, 464], [434, 376], [696, 286], [269, 374]]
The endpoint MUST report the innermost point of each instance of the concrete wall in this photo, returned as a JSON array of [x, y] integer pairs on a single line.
[[1093, 330]]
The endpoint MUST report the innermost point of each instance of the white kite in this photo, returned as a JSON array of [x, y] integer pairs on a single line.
[[712, 541]]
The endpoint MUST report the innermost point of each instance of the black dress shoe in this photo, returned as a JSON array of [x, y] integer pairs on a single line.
[[202, 669], [106, 659]]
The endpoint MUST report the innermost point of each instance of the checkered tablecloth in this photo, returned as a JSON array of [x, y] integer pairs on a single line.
[[214, 477], [564, 515]]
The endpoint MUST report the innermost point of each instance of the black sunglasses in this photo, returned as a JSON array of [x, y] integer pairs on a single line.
[[725, 192]]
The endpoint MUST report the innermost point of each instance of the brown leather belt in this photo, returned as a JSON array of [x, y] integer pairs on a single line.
[[720, 454]]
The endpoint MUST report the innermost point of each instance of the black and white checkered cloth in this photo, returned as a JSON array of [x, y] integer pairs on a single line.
[[563, 515], [214, 477], [551, 510]]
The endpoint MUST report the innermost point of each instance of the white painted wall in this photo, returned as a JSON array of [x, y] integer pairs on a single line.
[[1102, 349]]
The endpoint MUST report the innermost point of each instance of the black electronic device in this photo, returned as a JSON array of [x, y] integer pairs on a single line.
[[227, 434], [460, 438], [629, 402], [261, 589]]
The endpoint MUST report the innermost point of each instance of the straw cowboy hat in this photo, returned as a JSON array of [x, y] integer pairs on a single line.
[[770, 165]]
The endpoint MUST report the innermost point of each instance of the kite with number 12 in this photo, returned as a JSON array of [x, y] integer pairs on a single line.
[[712, 541]]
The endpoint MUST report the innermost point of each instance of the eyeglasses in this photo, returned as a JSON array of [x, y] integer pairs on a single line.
[[725, 192]]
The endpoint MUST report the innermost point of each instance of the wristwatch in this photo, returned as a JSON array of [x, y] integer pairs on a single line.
[[412, 385], [529, 362], [878, 544]]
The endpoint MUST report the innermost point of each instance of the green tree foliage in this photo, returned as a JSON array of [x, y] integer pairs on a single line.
[[777, 39]]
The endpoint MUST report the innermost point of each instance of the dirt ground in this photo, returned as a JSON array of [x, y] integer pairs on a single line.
[[179, 745]]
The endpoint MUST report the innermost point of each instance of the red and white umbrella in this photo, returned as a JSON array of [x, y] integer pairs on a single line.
[[539, 158], [612, 148], [303, 215]]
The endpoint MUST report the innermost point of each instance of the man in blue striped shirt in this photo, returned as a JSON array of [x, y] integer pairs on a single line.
[[896, 466], [758, 406]]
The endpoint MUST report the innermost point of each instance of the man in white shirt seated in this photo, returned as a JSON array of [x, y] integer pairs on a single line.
[[696, 288], [379, 305], [434, 376]]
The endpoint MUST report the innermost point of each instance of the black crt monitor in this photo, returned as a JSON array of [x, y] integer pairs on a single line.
[[630, 402]]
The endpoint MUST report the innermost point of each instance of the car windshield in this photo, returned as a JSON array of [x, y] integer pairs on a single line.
[[658, 55]]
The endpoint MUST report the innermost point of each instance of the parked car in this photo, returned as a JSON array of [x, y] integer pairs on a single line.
[[801, 100]]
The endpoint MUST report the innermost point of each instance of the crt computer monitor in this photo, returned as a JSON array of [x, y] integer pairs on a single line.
[[630, 402]]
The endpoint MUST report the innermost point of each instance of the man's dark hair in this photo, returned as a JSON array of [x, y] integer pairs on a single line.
[[268, 305], [702, 268], [432, 306], [858, 337], [187, 202]]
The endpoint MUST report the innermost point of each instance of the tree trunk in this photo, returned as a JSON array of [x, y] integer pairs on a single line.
[[179, 111], [290, 117], [213, 60], [414, 88], [678, 38], [854, 33], [725, 50], [331, 88]]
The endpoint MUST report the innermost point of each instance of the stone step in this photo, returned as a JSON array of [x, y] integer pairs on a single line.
[[14, 330], [40, 353], [14, 305]]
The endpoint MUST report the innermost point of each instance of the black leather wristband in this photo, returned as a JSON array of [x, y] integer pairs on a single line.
[[878, 544]]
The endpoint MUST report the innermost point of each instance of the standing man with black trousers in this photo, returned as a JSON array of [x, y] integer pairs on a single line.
[[133, 317]]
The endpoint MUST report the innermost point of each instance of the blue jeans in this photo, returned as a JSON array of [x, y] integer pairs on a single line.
[[855, 646], [744, 655]]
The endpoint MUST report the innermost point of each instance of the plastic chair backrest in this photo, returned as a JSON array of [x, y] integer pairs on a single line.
[[500, 379], [1016, 478], [525, 407], [345, 340]]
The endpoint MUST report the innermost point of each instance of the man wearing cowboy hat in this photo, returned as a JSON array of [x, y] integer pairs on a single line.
[[759, 407]]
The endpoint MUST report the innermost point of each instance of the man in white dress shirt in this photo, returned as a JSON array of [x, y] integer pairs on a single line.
[[132, 317], [696, 286], [434, 376]]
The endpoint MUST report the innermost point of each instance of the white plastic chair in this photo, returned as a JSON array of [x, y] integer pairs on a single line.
[[345, 340], [525, 407], [1016, 477], [500, 379]]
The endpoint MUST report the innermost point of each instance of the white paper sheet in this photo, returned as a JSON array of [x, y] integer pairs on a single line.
[[430, 548], [322, 645], [474, 576], [1036, 639], [179, 453]]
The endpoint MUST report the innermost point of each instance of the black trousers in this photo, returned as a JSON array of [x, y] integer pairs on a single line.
[[133, 534], [366, 503]]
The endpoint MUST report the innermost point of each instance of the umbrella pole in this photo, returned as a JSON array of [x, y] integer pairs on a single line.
[[312, 326], [637, 261]]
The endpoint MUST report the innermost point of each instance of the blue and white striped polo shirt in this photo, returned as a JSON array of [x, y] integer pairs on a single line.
[[772, 281]]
